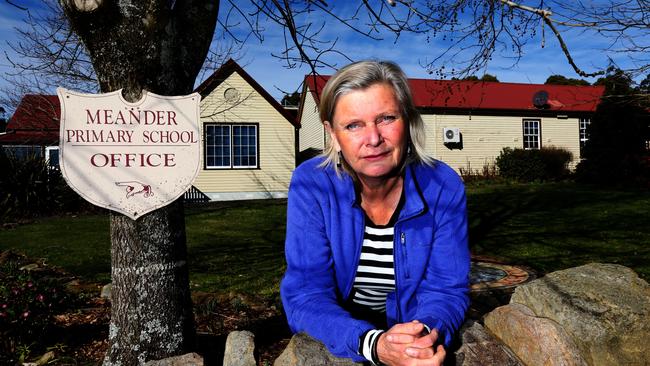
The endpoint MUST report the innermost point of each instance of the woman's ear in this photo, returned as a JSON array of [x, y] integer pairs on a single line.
[[335, 141]]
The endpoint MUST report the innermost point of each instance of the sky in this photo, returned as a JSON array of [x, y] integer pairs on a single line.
[[409, 52]]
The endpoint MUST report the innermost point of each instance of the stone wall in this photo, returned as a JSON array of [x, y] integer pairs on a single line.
[[592, 315]]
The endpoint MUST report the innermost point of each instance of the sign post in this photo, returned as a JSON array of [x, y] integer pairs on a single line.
[[131, 158]]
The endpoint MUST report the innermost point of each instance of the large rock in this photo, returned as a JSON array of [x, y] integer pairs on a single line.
[[189, 359], [535, 340], [480, 348], [240, 349], [304, 350], [605, 308]]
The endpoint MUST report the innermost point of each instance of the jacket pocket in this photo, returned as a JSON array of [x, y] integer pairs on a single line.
[[404, 254]]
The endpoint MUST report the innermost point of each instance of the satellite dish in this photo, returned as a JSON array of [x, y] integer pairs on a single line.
[[540, 99]]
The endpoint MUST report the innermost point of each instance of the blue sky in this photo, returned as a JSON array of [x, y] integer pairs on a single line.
[[409, 52]]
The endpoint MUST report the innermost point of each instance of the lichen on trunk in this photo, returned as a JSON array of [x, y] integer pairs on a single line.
[[151, 315]]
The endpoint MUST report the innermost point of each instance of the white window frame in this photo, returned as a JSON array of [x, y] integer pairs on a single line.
[[231, 148], [49, 151], [528, 134], [583, 123]]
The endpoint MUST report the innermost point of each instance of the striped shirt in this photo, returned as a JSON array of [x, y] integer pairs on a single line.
[[376, 272], [375, 277]]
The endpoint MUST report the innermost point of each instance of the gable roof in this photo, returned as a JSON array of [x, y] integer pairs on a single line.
[[468, 95], [36, 112], [35, 122], [225, 71]]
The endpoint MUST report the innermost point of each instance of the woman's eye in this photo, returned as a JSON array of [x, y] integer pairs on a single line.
[[387, 119]]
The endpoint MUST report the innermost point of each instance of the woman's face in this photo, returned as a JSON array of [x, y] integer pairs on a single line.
[[370, 131]]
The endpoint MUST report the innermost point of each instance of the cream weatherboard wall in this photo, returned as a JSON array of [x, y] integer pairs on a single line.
[[483, 137], [276, 155], [311, 128]]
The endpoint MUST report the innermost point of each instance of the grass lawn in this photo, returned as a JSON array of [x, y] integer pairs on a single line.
[[238, 246], [555, 226]]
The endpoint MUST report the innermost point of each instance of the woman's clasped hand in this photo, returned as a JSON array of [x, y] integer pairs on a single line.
[[410, 344]]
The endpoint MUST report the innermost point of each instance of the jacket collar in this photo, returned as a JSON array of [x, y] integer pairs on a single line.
[[415, 203]]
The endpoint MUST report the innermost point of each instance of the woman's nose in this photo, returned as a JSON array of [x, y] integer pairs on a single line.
[[373, 135]]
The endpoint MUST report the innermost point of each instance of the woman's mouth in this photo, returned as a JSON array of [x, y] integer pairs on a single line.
[[378, 156]]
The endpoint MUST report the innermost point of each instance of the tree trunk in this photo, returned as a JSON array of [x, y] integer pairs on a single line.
[[157, 45]]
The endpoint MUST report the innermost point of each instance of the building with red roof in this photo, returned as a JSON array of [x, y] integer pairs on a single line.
[[248, 138], [468, 123], [34, 127]]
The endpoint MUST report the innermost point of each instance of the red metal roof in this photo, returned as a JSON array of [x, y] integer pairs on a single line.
[[493, 96], [41, 138], [35, 122], [36, 113]]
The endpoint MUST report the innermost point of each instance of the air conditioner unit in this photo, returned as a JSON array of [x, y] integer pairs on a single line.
[[451, 135]]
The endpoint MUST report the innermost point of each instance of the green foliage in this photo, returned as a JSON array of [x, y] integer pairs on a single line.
[[485, 77], [292, 99], [548, 163], [563, 80], [27, 304], [616, 150], [489, 77], [31, 189]]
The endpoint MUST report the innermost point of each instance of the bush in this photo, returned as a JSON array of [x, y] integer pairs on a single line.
[[549, 163], [27, 304], [489, 172], [30, 188], [613, 170]]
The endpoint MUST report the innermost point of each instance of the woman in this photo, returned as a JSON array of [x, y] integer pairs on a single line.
[[376, 246]]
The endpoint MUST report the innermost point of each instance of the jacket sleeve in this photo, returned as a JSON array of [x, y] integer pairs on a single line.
[[443, 295], [308, 289]]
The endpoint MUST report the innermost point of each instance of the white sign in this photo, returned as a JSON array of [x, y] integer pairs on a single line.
[[129, 157]]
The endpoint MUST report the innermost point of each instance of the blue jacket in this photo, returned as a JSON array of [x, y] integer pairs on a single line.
[[325, 229]]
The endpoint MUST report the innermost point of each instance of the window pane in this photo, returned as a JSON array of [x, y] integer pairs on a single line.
[[217, 147], [245, 146]]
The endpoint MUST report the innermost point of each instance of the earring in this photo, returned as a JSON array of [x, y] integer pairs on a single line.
[[339, 159], [408, 149]]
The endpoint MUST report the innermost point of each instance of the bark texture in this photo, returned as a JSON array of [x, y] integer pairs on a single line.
[[159, 46]]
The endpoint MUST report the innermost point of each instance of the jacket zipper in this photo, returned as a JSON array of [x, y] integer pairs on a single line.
[[358, 256], [402, 239]]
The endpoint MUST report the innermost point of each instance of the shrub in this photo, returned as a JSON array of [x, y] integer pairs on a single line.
[[27, 304], [549, 163], [489, 172], [30, 188]]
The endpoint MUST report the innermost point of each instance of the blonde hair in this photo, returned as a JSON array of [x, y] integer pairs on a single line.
[[361, 75]]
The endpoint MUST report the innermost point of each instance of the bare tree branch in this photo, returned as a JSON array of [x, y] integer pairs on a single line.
[[10, 2]]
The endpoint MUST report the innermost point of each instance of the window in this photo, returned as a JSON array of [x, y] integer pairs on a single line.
[[531, 134], [52, 157], [583, 123], [231, 146]]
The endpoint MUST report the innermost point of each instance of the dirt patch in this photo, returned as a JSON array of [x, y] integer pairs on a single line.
[[79, 335]]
